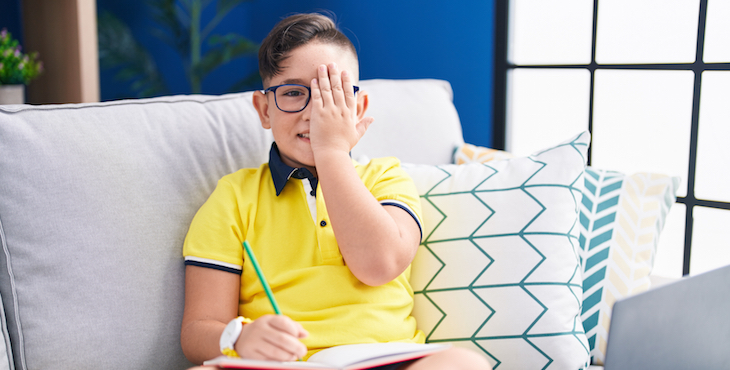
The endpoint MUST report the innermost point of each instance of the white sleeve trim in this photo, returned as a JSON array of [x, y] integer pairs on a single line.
[[214, 262], [405, 207]]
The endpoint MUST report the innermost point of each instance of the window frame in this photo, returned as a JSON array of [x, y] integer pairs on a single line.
[[502, 66]]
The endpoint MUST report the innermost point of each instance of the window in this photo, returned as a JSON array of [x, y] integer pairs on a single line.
[[650, 80]]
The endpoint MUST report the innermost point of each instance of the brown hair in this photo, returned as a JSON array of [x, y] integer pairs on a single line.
[[295, 31]]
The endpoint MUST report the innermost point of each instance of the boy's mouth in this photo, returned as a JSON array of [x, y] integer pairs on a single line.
[[305, 136]]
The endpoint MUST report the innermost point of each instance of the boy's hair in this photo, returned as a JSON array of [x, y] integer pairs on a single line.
[[295, 31]]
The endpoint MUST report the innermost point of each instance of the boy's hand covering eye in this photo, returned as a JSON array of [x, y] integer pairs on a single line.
[[334, 124]]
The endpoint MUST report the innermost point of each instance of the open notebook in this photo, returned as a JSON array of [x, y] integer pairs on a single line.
[[346, 357]]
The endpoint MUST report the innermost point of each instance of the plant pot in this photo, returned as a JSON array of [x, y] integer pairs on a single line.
[[12, 94]]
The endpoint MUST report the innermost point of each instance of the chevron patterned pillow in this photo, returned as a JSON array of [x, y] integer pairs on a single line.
[[621, 217], [499, 268]]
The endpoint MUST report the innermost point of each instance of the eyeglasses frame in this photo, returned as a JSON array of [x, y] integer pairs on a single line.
[[309, 97]]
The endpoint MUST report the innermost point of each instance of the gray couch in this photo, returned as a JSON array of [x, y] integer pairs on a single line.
[[96, 199]]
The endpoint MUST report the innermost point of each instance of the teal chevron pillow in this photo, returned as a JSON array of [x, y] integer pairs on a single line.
[[621, 217], [499, 268]]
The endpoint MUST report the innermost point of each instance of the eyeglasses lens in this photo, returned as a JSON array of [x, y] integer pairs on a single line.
[[292, 98]]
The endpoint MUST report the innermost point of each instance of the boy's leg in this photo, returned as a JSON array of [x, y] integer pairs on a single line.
[[453, 358]]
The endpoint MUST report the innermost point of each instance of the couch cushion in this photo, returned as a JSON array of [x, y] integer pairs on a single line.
[[499, 267], [415, 121], [95, 202], [5, 349]]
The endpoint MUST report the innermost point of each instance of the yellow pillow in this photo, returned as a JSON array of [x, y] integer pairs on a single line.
[[469, 153]]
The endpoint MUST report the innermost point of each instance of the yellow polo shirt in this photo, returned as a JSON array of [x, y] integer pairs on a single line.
[[297, 251]]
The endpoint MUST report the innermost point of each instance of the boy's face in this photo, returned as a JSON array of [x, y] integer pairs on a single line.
[[291, 130]]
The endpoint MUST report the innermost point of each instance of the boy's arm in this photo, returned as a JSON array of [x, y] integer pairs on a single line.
[[377, 242], [211, 301]]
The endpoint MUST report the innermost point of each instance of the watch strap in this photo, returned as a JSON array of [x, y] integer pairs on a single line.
[[228, 348]]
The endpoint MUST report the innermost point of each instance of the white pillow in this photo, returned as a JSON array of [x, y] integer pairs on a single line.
[[499, 268], [415, 121]]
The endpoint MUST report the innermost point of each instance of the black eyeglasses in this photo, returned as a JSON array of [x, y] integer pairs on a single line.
[[292, 98]]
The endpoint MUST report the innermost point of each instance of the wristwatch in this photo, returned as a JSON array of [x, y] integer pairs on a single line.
[[230, 336]]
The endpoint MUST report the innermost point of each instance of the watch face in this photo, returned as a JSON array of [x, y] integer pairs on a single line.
[[230, 334]]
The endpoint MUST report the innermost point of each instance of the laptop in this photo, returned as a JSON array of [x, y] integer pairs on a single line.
[[681, 325]]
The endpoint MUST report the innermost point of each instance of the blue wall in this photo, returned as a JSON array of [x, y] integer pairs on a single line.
[[10, 18], [396, 39], [414, 39]]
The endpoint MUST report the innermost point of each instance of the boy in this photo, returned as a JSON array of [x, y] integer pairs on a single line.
[[334, 238]]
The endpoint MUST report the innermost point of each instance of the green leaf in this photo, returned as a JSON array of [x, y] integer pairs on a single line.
[[223, 7], [225, 48], [252, 81], [118, 49], [227, 5], [16, 67], [174, 22]]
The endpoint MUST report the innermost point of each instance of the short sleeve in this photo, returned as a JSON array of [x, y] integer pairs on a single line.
[[217, 231], [392, 186]]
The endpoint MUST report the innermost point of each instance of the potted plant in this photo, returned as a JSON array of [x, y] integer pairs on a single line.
[[16, 69]]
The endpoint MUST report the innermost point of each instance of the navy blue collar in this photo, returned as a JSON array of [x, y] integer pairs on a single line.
[[281, 173]]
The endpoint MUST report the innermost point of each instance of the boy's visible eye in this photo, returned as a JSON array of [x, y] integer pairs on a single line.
[[295, 93], [291, 98]]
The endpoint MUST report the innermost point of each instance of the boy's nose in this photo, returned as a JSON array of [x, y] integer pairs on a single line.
[[307, 112]]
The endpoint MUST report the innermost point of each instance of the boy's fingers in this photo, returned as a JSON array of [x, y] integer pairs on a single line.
[[286, 325], [336, 84], [349, 89], [324, 85], [316, 93], [363, 125], [274, 352], [278, 339], [285, 348], [303, 333], [334, 76]]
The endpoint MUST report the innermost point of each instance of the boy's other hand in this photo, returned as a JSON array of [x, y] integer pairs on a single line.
[[272, 338], [334, 123]]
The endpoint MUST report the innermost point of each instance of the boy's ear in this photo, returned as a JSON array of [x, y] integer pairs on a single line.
[[362, 104], [261, 103]]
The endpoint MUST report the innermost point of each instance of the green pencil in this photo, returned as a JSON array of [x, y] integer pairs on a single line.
[[265, 284], [256, 267]]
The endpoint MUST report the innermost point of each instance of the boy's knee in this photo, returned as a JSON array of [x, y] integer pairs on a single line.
[[455, 358], [468, 359]]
